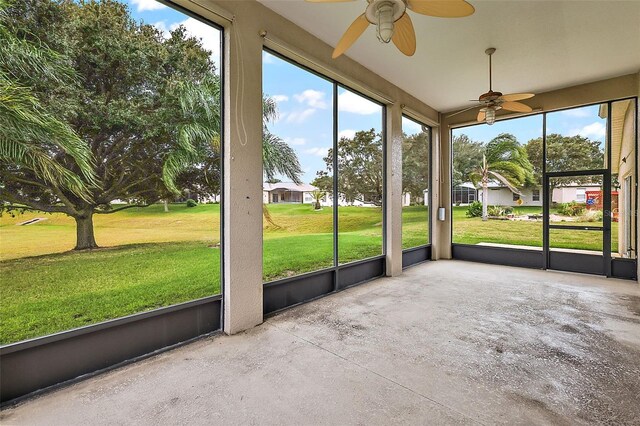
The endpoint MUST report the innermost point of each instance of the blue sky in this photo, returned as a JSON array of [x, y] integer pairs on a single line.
[[165, 19], [305, 101], [582, 121]]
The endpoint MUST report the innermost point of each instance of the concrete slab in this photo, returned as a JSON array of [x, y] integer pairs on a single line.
[[447, 342]]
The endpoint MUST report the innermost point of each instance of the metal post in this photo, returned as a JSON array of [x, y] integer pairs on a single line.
[[606, 202], [336, 259], [546, 197]]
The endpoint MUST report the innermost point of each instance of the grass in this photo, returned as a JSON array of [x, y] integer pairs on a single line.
[[152, 259], [46, 294], [525, 233]]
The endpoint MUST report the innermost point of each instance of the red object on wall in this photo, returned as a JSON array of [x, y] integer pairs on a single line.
[[595, 199]]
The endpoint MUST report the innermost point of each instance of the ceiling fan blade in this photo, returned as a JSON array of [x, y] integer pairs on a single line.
[[516, 106], [442, 8], [404, 36], [354, 31], [481, 116], [517, 96], [463, 110]]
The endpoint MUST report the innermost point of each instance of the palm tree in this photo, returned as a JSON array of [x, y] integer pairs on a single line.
[[199, 133], [278, 158], [27, 130], [317, 195], [506, 161]]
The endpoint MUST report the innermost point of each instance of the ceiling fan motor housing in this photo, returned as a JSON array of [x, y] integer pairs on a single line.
[[490, 96]]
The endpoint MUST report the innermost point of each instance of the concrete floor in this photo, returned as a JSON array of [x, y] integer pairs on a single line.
[[449, 342]]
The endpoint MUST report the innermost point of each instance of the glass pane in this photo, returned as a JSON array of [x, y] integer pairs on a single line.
[[511, 189], [576, 200], [360, 177], [589, 242], [298, 187], [576, 139], [416, 147], [623, 178], [139, 227]]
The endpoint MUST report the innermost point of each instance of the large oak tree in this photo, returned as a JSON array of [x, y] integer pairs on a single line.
[[144, 104]]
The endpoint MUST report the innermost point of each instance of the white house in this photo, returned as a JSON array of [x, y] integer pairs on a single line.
[[287, 192], [500, 195]]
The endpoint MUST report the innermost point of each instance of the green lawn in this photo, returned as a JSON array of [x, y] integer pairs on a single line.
[[525, 233], [152, 259], [46, 294]]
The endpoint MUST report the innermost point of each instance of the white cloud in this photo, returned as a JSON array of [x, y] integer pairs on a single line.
[[295, 141], [347, 133], [312, 98], [268, 58], [317, 151], [209, 37], [144, 5], [299, 116], [280, 98], [577, 112], [350, 102], [597, 130], [410, 127], [162, 27]]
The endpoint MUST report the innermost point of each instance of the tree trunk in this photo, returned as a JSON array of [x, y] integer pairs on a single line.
[[166, 205], [485, 200], [85, 239]]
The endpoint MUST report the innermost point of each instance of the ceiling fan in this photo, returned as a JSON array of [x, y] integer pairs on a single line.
[[494, 101], [393, 22]]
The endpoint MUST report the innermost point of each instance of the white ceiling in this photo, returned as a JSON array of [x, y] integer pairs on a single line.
[[542, 45]]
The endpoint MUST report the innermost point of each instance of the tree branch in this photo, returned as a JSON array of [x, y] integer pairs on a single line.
[[33, 205], [129, 206]]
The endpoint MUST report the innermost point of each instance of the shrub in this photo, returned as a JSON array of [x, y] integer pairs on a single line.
[[191, 203], [499, 211], [591, 216], [571, 209], [474, 209]]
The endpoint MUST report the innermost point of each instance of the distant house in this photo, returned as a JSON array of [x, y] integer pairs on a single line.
[[500, 195], [287, 192]]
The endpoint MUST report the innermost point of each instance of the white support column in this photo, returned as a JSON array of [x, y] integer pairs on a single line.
[[243, 178], [443, 228], [435, 192], [394, 190]]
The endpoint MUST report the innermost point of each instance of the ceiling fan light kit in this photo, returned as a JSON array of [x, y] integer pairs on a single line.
[[490, 116]]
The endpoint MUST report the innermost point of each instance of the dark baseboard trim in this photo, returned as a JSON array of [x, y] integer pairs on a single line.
[[498, 255], [416, 255], [32, 365], [624, 268], [289, 292]]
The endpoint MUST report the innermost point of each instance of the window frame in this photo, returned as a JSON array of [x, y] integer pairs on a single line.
[[429, 189], [336, 85]]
